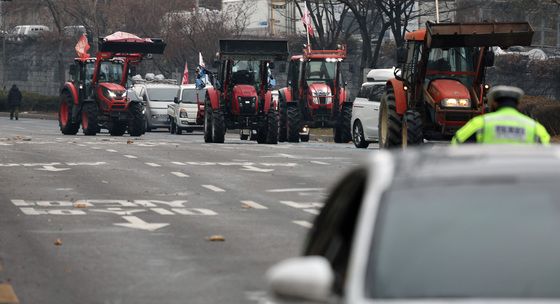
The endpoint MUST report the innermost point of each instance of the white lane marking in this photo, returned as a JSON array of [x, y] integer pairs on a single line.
[[63, 189], [130, 156], [138, 223], [319, 162], [295, 190], [213, 188], [81, 145], [254, 205], [304, 224], [312, 211], [86, 164], [111, 150], [162, 211], [179, 174], [255, 169], [153, 165], [96, 148], [178, 163], [52, 169], [302, 205]]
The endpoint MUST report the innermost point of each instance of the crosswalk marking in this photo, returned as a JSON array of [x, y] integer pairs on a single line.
[[304, 224], [254, 205], [153, 165], [213, 188], [179, 174]]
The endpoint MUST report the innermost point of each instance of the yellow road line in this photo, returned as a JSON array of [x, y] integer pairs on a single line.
[[7, 294]]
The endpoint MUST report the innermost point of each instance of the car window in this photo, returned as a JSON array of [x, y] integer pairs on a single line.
[[189, 96], [376, 92], [333, 230], [162, 94], [467, 241]]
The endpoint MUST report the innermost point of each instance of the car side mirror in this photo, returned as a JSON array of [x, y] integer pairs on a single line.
[[489, 58], [303, 278], [401, 55], [176, 100], [144, 98]]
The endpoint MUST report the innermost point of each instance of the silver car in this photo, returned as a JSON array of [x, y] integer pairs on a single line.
[[156, 98], [447, 225]]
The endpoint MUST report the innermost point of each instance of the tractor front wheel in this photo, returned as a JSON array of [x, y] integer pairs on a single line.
[[272, 121], [218, 127], [293, 123], [208, 123], [89, 119], [390, 122], [117, 128], [67, 126], [136, 119], [283, 119], [412, 129], [342, 130]]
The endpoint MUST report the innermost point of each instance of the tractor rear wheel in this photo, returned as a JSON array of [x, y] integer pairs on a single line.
[[218, 127], [390, 122], [293, 123], [67, 127], [208, 123], [283, 120], [89, 119], [117, 128], [136, 119], [342, 130], [272, 133], [412, 129]]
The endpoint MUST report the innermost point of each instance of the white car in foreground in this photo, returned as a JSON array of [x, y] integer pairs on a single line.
[[187, 110], [472, 224], [365, 109]]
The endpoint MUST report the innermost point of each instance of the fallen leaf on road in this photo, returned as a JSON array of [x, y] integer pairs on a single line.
[[80, 205], [129, 142], [216, 238], [243, 205], [58, 242], [104, 139], [26, 139]]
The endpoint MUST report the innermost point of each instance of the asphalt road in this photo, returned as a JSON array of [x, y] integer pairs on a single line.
[[131, 220]]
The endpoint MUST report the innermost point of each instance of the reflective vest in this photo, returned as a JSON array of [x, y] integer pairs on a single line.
[[505, 126]]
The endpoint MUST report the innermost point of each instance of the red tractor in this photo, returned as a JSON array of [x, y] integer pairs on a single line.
[[441, 84], [96, 96], [315, 96], [242, 97]]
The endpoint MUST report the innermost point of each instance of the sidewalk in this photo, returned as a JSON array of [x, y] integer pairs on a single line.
[[35, 115]]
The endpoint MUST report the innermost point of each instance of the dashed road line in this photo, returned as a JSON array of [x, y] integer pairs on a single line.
[[7, 294], [80, 145], [130, 156], [111, 150], [178, 163], [319, 162], [302, 205], [304, 224], [153, 165], [312, 211], [213, 188], [96, 148], [253, 205], [179, 174], [295, 190]]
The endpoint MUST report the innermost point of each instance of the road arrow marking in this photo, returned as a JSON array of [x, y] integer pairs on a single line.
[[255, 169], [137, 223], [52, 169]]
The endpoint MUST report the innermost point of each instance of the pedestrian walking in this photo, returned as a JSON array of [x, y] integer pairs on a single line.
[[505, 125], [14, 102]]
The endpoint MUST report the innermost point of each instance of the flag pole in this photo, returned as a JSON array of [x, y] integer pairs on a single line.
[[437, 11], [307, 25]]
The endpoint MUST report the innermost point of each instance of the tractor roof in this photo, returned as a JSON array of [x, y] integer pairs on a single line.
[[339, 53], [254, 49], [125, 43], [446, 35]]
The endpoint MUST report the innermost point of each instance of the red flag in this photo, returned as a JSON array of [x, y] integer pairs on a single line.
[[306, 18], [185, 74], [82, 47]]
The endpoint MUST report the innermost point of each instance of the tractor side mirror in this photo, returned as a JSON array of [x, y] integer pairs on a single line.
[[401, 55], [132, 70], [489, 57], [176, 99]]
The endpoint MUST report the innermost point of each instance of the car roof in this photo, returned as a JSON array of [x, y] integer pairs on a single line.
[[376, 75], [477, 162], [158, 85]]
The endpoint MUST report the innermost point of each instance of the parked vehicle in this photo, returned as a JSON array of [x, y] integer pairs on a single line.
[[21, 32], [442, 225], [157, 94], [96, 95], [186, 113], [365, 108], [74, 30]]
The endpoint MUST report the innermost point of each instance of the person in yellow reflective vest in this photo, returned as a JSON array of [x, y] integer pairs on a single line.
[[505, 125]]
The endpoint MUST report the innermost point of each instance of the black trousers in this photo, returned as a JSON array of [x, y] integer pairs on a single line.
[[14, 110]]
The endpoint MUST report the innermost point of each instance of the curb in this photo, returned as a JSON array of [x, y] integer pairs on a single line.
[[45, 116]]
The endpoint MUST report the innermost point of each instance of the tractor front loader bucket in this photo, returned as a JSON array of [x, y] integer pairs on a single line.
[[254, 49], [149, 46], [502, 34]]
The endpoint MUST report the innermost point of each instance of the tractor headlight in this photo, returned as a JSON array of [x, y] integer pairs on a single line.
[[111, 94], [183, 113], [456, 103]]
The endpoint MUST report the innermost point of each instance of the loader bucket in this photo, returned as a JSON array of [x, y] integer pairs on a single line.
[[445, 35], [254, 50], [142, 46]]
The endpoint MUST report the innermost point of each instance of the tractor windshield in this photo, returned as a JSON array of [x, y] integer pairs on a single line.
[[245, 72], [320, 71], [457, 63], [111, 71]]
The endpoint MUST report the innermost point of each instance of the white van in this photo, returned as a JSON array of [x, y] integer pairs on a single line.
[[28, 31], [365, 109]]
